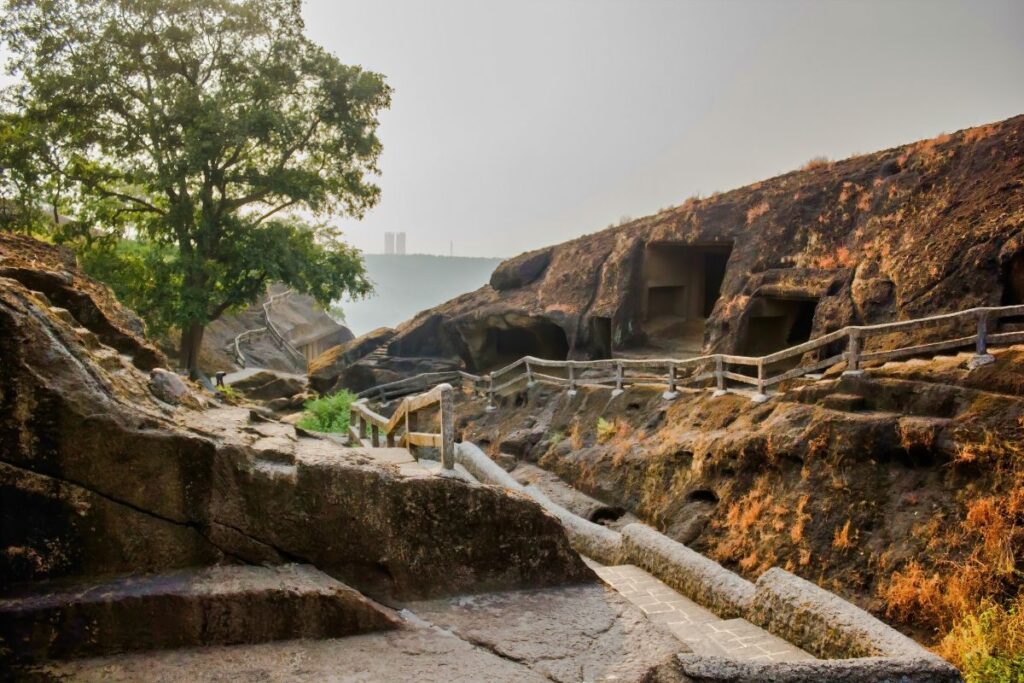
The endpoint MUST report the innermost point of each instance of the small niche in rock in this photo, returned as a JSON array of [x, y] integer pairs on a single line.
[[633, 405], [702, 496], [606, 515], [655, 421]]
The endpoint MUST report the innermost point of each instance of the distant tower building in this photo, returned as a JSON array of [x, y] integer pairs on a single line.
[[400, 243], [389, 243]]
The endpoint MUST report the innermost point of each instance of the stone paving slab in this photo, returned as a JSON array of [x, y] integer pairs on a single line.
[[699, 628]]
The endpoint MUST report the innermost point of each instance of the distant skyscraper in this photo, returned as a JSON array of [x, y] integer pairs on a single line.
[[400, 243], [389, 243]]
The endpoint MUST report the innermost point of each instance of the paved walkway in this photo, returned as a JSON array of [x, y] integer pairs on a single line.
[[703, 631]]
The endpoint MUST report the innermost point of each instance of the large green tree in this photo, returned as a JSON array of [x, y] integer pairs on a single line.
[[205, 129]]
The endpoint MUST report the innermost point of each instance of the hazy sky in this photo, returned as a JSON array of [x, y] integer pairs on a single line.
[[519, 124]]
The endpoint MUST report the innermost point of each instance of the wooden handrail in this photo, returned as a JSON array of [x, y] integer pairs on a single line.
[[855, 336], [404, 419]]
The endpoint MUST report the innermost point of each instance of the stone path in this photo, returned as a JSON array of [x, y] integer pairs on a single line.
[[703, 631]]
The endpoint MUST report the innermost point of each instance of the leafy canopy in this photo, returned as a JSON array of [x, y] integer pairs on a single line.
[[199, 128]]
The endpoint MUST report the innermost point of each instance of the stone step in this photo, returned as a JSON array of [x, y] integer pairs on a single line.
[[702, 630], [850, 403], [202, 606]]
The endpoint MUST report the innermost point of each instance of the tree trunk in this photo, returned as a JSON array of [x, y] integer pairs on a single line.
[[191, 341]]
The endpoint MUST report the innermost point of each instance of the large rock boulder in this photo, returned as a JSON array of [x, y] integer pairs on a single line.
[[268, 385], [522, 270]]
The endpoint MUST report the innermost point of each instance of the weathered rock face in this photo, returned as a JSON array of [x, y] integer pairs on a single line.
[[301, 320], [763, 266], [326, 369], [521, 270], [99, 477], [268, 385]]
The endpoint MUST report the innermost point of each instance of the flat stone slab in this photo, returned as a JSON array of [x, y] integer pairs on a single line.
[[702, 630], [423, 655], [579, 633], [207, 606]]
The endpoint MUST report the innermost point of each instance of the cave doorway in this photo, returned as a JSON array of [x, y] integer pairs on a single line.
[[535, 337], [1013, 281], [774, 324], [1013, 288], [682, 283], [601, 337]]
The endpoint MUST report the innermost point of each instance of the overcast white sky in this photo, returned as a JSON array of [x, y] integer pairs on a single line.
[[519, 124]]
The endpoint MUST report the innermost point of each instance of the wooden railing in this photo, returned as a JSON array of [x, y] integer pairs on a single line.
[[271, 329], [402, 429], [724, 368], [279, 339]]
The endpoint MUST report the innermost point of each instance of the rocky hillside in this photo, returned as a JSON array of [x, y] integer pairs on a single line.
[[923, 228], [110, 465]]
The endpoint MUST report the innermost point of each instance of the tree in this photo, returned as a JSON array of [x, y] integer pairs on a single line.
[[204, 129]]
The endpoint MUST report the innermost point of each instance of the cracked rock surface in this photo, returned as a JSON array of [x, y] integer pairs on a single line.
[[99, 476]]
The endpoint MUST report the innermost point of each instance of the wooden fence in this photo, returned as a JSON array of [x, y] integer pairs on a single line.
[[402, 429], [761, 373]]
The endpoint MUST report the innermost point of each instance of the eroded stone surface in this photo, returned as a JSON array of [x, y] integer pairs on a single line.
[[585, 633]]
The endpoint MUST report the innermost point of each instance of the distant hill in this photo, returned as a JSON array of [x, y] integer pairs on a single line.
[[411, 283]]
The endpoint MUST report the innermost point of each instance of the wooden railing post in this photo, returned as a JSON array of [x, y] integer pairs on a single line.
[[447, 429], [618, 379], [374, 435], [572, 378], [719, 377], [490, 393], [671, 393], [362, 427], [761, 396], [529, 375], [411, 420], [853, 354], [981, 354]]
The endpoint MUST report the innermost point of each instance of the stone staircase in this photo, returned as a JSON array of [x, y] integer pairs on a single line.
[[220, 605], [701, 630]]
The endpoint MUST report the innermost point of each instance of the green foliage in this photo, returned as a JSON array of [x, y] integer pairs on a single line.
[[989, 645], [328, 413], [202, 126], [142, 274], [605, 429], [229, 394]]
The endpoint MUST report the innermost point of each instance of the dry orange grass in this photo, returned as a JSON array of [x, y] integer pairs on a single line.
[[975, 562], [980, 133], [756, 211], [817, 162], [841, 539]]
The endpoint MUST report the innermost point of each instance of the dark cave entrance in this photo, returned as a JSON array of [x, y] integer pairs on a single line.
[[682, 283], [1013, 281], [774, 324], [538, 338], [601, 337], [1013, 287]]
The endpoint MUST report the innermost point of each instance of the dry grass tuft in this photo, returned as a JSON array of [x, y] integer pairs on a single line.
[[841, 539], [817, 162], [756, 211]]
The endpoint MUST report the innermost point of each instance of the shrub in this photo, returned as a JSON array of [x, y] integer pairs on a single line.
[[328, 413], [989, 645], [605, 430], [817, 162]]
